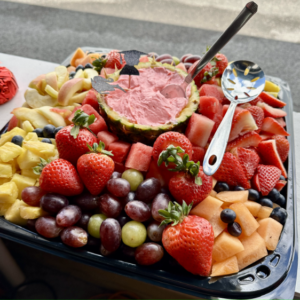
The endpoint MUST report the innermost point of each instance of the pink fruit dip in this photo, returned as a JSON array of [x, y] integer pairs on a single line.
[[143, 103]]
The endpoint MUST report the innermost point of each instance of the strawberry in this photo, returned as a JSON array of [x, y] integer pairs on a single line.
[[95, 168], [250, 139], [72, 140], [220, 61], [272, 101], [231, 172], [206, 74], [189, 239], [255, 101], [198, 154], [114, 61], [59, 176], [271, 111], [265, 178], [283, 146], [258, 115], [91, 99], [270, 125], [280, 185], [281, 122]]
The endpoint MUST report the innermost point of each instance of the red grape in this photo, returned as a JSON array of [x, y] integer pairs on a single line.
[[84, 221], [31, 224], [149, 254], [110, 206], [110, 232], [119, 187], [161, 201], [183, 57], [168, 61], [116, 175], [104, 252], [93, 243], [47, 227], [138, 211], [86, 201], [127, 252], [151, 54], [123, 219], [155, 231], [187, 65], [74, 237], [163, 56], [128, 198], [192, 58], [68, 216], [32, 195], [53, 203], [148, 189]]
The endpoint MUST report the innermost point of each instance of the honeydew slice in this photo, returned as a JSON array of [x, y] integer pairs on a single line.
[[233, 196], [226, 267], [207, 208]]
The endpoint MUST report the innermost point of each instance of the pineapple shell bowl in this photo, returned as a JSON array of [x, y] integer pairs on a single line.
[[147, 134]]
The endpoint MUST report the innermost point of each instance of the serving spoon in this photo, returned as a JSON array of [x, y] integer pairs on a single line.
[[178, 91], [242, 81]]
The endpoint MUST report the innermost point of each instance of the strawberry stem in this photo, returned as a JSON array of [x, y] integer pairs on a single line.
[[39, 168], [81, 120], [99, 149]]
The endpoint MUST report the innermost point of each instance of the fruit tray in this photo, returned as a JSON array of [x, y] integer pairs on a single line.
[[274, 276]]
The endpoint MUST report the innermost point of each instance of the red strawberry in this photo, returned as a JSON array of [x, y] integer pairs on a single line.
[[212, 91], [283, 146], [281, 122], [269, 155], [266, 136], [258, 115], [91, 99], [280, 185], [198, 154], [59, 176], [72, 140], [206, 74], [255, 101], [248, 159], [213, 81], [160, 173], [189, 239], [95, 168], [270, 125], [271, 111], [231, 172], [209, 106], [250, 139], [114, 61], [272, 101], [266, 178], [221, 62]]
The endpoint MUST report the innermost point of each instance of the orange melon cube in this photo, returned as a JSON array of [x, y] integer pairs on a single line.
[[214, 182], [233, 196], [275, 205], [226, 205], [264, 212], [255, 249], [77, 55], [226, 267], [207, 208], [270, 230], [244, 218], [217, 224], [213, 193], [253, 207], [226, 246]]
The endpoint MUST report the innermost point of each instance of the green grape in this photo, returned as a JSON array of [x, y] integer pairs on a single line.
[[134, 177], [176, 60], [94, 225], [134, 234]]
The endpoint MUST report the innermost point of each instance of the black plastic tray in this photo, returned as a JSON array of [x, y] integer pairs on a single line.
[[273, 277]]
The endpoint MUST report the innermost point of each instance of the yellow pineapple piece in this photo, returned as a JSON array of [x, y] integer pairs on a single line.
[[264, 212], [253, 207], [9, 151], [44, 150], [55, 156], [22, 182], [233, 196], [3, 208], [8, 192], [13, 214], [37, 183], [207, 208], [226, 267], [6, 137], [52, 140], [29, 173], [31, 136], [6, 171], [271, 87], [27, 126], [4, 180], [28, 160], [14, 164], [31, 212]]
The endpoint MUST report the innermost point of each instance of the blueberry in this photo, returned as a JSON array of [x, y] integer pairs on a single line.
[[39, 132], [79, 67], [88, 66], [266, 202], [227, 215], [221, 187], [18, 140], [281, 201], [234, 229], [279, 214], [48, 131], [274, 195], [72, 74], [253, 195], [238, 188], [57, 130], [46, 141], [281, 177]]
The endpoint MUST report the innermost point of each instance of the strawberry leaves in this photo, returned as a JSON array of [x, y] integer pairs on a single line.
[[99, 149], [99, 63], [81, 120], [39, 168]]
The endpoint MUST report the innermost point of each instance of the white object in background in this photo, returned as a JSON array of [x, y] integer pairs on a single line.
[[25, 70]]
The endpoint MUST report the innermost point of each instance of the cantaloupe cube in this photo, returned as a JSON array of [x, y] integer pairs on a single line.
[[8, 193], [29, 212], [28, 160], [264, 212], [207, 208], [6, 137], [4, 207], [275, 205], [6, 171], [213, 193], [214, 182], [13, 213], [22, 182], [225, 205], [253, 207], [29, 173], [44, 150], [217, 224], [31, 136], [226, 267], [233, 196], [244, 218], [255, 249], [226, 246], [4, 180], [270, 230], [9, 151]]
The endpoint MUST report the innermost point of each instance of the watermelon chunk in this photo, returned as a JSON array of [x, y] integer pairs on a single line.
[[139, 157], [212, 91], [119, 167], [199, 129], [209, 106], [106, 137], [120, 150], [91, 99]]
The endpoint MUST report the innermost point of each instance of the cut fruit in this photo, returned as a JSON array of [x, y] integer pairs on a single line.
[[53, 118], [226, 267], [4, 208], [62, 75], [233, 196], [271, 111], [281, 122], [9, 151], [270, 230], [68, 90], [244, 218], [226, 246], [160, 173], [28, 160], [6, 137], [199, 129], [43, 150], [35, 84], [31, 136], [208, 106], [198, 154], [213, 193], [30, 213], [51, 80], [270, 125], [29, 173], [77, 55], [264, 212], [23, 114], [13, 214], [253, 207], [14, 122], [8, 193], [258, 115], [6, 171], [271, 87], [106, 137], [78, 98], [26, 125], [212, 91], [22, 182], [272, 101], [217, 224], [207, 208], [250, 139], [280, 185], [119, 167], [35, 100], [283, 147], [119, 150], [139, 157]]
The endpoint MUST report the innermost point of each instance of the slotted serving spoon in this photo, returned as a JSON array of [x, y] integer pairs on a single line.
[[242, 81], [174, 90]]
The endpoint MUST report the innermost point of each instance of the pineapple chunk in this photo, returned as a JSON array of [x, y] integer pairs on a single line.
[[207, 208], [9, 151], [6, 171], [4, 180], [44, 150], [31, 212], [13, 214], [29, 173], [52, 140], [32, 115], [22, 182], [3, 208], [271, 87], [6, 137], [28, 160], [226, 267], [26, 125], [8, 192], [31, 136]]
